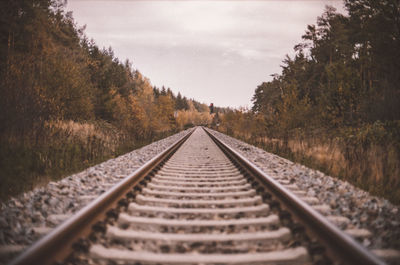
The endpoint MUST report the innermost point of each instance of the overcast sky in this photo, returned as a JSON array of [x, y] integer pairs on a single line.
[[212, 51]]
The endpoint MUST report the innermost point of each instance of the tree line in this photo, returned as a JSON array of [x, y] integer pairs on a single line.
[[341, 86], [66, 103], [345, 73], [51, 71]]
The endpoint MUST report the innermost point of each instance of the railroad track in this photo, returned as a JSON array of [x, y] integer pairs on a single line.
[[199, 202]]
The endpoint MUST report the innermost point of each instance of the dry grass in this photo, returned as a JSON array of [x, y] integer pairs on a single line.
[[56, 149], [81, 130], [85, 131], [327, 153], [375, 168]]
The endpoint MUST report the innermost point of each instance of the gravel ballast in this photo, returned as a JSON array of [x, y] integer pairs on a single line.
[[364, 211], [29, 216], [26, 218]]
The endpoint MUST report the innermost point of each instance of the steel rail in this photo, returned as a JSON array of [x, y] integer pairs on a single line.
[[47, 250], [338, 245]]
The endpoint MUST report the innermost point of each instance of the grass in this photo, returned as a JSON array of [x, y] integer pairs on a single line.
[[372, 166], [61, 149]]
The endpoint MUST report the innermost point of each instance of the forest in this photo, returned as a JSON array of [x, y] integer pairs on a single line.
[[336, 104], [66, 104]]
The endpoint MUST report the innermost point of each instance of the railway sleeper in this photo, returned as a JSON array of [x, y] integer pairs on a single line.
[[205, 164], [199, 189], [199, 175], [286, 256], [259, 241], [197, 195], [198, 226], [200, 170], [200, 179], [199, 214], [196, 203], [183, 183]]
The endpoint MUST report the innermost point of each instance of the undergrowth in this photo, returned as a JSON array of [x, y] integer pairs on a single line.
[[368, 157], [60, 149]]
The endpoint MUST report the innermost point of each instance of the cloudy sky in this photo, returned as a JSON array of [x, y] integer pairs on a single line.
[[212, 51]]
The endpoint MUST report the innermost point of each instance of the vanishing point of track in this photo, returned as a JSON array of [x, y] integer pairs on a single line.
[[198, 202]]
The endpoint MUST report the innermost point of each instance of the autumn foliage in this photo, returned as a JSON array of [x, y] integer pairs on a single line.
[[65, 103], [336, 104]]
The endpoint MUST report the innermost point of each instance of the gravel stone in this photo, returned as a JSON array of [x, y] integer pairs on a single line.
[[364, 210], [21, 216], [47, 206]]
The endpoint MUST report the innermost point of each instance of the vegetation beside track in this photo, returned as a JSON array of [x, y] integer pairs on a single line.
[[66, 104], [335, 105]]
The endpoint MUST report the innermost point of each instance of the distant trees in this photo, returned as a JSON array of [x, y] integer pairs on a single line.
[[341, 89], [345, 73], [65, 103], [181, 102], [50, 71]]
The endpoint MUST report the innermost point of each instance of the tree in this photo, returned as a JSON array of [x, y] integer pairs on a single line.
[[163, 117], [375, 30]]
